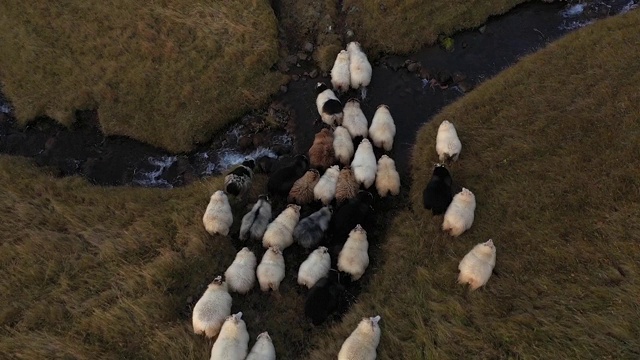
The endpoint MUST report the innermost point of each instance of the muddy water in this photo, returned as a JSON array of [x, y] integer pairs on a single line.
[[477, 55]]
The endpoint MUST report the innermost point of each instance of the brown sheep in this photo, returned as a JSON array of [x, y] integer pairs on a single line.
[[347, 187], [302, 191], [321, 153]]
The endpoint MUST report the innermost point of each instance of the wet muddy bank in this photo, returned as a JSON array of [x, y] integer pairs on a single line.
[[415, 88]]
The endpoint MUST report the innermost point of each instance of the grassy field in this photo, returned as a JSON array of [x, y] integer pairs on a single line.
[[170, 74], [400, 26], [550, 148]]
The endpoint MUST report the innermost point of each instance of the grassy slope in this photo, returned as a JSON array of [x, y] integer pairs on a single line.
[[400, 26], [161, 73], [550, 148]]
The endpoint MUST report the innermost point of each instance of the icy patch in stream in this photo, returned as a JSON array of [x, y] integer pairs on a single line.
[[152, 178]]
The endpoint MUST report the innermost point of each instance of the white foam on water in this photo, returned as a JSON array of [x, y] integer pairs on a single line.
[[228, 158], [282, 140], [630, 6], [5, 108], [573, 10], [572, 25], [151, 178]]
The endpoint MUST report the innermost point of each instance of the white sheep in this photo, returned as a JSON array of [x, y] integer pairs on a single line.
[[280, 232], [255, 222], [476, 267], [271, 269], [343, 145], [364, 164], [448, 144], [325, 189], [217, 219], [363, 342], [382, 129], [315, 267], [233, 341], [354, 256], [459, 215], [387, 177], [241, 275], [354, 119], [340, 74], [212, 309], [329, 107], [359, 67], [263, 349]]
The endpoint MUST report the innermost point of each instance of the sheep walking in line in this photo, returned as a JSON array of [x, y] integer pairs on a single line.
[[340, 74], [325, 189], [477, 266], [271, 269], [233, 341], [448, 144], [263, 349], [459, 215], [343, 145], [363, 342], [354, 256], [302, 191], [212, 308], [382, 129], [387, 177], [280, 232], [359, 68], [217, 218], [241, 275], [364, 164], [315, 267]]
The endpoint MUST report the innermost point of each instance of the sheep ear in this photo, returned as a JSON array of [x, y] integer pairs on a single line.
[[375, 319]]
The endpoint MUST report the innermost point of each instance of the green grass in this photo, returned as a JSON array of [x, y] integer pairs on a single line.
[[167, 73], [550, 148], [401, 26]]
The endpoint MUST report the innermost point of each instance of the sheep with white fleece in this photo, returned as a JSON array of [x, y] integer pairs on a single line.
[[343, 145], [233, 341], [340, 74], [363, 342], [271, 269], [217, 218], [448, 144], [325, 189], [315, 267], [477, 266], [359, 68], [387, 177], [241, 275], [354, 119], [354, 256], [212, 308], [280, 232], [459, 215], [364, 164], [263, 349], [382, 129]]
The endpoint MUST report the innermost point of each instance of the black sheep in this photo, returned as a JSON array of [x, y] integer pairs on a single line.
[[356, 211], [281, 180], [437, 195], [326, 298]]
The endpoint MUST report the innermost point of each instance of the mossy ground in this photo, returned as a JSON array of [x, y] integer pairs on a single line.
[[550, 149], [169, 74]]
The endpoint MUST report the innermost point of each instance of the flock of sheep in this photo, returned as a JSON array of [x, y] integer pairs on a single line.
[[477, 266], [319, 180], [313, 180]]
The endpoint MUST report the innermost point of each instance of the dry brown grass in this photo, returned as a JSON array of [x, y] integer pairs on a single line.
[[550, 148], [400, 26], [170, 74], [112, 273]]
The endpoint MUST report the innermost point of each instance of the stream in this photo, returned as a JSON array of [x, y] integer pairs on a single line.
[[404, 83]]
